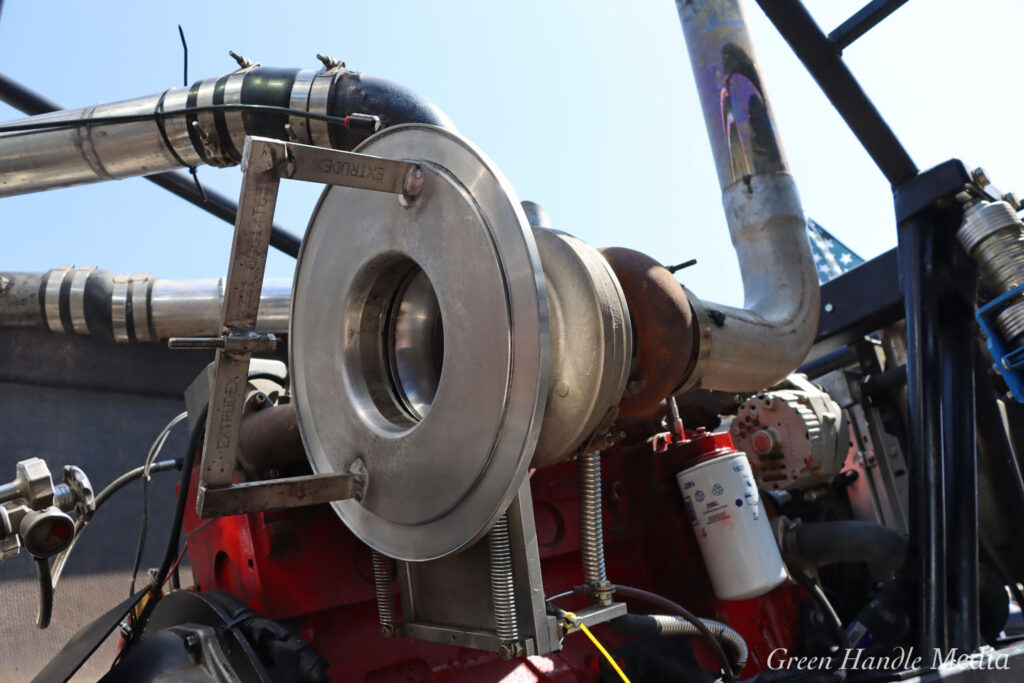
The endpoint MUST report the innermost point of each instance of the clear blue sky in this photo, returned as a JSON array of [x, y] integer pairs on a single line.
[[588, 107]]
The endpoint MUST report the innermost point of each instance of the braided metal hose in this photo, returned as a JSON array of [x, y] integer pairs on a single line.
[[503, 593], [671, 625], [383, 577], [591, 528]]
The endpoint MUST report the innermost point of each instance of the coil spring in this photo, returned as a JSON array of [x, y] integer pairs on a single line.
[[591, 532], [383, 576], [502, 581]]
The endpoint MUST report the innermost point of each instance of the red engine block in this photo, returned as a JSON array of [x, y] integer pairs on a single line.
[[305, 567]]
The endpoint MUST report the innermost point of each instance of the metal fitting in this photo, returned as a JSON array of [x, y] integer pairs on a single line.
[[511, 650], [993, 235], [32, 485]]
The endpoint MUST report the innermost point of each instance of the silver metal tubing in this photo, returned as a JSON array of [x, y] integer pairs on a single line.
[[591, 527], [186, 127], [128, 308], [503, 589], [671, 625], [383, 583], [749, 348], [183, 308]]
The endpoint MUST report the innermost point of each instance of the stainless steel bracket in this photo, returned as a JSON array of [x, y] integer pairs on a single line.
[[264, 163], [442, 599]]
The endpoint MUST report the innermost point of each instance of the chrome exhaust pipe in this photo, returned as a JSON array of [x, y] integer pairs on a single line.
[[757, 346], [203, 124]]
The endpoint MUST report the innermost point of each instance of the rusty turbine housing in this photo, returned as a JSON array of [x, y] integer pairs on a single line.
[[663, 330]]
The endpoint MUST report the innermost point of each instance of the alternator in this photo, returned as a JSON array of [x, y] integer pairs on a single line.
[[792, 436]]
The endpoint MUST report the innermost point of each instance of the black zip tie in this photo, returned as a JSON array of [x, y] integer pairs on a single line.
[[184, 47], [199, 185]]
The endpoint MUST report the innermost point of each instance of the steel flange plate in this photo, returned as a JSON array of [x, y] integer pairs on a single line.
[[419, 345]]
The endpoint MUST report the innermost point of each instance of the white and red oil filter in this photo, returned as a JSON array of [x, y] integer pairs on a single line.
[[732, 527]]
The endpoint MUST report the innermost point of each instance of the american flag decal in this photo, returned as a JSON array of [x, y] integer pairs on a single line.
[[832, 258]]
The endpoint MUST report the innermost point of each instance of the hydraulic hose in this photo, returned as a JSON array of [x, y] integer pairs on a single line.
[[670, 625], [663, 603], [131, 475], [45, 581]]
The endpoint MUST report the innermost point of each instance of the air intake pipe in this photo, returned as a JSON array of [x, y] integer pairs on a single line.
[[203, 124], [128, 308], [757, 346]]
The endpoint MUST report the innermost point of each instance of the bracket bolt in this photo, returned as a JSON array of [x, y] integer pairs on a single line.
[[243, 62], [511, 650], [330, 62]]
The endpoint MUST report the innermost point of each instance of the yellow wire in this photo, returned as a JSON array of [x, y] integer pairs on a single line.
[[599, 646]]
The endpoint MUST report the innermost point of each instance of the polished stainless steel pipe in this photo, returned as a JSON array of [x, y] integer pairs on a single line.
[[749, 348], [202, 124], [128, 308]]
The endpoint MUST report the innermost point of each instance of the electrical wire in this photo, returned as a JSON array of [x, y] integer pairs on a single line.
[[194, 443], [154, 451], [824, 605], [343, 121], [571, 620], [174, 567]]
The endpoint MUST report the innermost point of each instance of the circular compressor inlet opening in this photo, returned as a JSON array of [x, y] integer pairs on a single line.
[[414, 343], [401, 340]]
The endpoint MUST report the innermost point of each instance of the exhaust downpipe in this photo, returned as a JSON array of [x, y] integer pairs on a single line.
[[757, 346]]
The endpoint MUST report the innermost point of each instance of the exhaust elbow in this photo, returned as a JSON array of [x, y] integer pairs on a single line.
[[749, 348]]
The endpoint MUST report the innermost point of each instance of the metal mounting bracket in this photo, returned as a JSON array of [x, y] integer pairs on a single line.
[[264, 163]]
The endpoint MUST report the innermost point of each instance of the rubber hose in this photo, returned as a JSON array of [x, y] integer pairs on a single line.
[[45, 592], [131, 475], [818, 544]]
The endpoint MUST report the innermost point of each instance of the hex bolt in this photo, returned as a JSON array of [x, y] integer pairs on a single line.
[[191, 643], [330, 62], [980, 178], [635, 386], [243, 62], [196, 343], [511, 650]]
